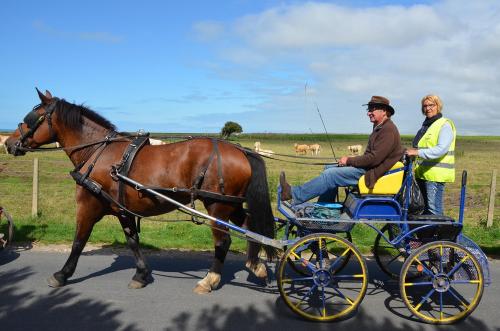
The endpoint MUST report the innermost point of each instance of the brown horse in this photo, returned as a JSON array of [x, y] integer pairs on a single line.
[[86, 138]]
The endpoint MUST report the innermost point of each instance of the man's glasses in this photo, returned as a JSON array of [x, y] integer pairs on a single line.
[[430, 105]]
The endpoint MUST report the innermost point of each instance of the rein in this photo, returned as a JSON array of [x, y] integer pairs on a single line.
[[297, 162], [71, 148]]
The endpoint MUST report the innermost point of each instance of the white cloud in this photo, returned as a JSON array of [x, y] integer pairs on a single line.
[[451, 48], [327, 25]]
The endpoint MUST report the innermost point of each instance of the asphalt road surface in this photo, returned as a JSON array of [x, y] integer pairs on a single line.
[[97, 297]]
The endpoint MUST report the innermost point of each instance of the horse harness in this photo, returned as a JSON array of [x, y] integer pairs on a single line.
[[124, 166], [33, 120]]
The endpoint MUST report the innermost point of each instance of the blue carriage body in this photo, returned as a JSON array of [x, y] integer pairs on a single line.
[[373, 207]]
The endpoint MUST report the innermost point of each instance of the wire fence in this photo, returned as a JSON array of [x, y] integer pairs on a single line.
[[56, 189]]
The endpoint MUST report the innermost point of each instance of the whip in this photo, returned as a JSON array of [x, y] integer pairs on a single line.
[[327, 135], [323, 122]]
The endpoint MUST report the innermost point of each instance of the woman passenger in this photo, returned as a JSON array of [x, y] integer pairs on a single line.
[[434, 147]]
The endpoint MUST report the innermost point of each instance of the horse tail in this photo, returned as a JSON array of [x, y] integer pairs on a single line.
[[261, 218]]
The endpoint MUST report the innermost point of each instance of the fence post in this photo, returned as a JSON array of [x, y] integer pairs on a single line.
[[491, 206], [34, 202]]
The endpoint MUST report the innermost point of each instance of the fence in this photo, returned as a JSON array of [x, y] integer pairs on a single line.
[[44, 187]]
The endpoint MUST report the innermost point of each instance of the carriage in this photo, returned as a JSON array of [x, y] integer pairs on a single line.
[[321, 275]]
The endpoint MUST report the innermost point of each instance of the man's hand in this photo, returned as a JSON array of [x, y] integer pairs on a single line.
[[343, 161], [411, 152]]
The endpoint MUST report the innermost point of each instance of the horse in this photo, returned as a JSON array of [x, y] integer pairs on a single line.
[[95, 148]]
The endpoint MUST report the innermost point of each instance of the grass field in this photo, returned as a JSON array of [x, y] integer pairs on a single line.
[[55, 221]]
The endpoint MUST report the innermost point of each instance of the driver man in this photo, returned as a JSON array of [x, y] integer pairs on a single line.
[[382, 152]]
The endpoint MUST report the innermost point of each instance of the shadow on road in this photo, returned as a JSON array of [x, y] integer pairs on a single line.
[[217, 318], [180, 265], [65, 307], [60, 309]]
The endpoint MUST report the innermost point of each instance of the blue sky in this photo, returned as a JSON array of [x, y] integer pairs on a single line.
[[190, 66]]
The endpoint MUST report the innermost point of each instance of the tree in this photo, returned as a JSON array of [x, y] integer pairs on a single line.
[[230, 128]]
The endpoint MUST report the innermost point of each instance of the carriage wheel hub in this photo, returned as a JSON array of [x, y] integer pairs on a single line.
[[441, 283], [322, 277]]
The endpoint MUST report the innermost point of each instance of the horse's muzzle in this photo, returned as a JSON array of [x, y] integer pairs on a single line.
[[15, 148]]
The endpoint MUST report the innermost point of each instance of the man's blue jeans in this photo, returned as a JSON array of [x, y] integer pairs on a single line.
[[325, 185], [433, 194]]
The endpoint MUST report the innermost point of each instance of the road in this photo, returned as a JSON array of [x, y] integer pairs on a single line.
[[97, 297]]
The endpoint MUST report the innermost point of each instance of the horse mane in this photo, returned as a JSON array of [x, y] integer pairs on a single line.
[[72, 116]]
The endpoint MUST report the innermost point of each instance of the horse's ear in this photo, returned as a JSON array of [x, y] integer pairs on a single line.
[[44, 98]]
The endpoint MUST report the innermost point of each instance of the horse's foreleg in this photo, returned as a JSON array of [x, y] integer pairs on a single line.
[[212, 279], [142, 272], [83, 230]]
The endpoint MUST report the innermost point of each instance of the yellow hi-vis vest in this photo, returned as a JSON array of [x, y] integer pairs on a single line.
[[441, 169]]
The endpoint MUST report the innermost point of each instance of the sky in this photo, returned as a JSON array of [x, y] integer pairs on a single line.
[[271, 66]]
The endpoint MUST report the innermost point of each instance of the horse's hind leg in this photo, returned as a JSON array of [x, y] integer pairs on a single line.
[[140, 278], [254, 264]]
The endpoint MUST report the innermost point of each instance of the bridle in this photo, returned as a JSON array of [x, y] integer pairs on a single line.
[[33, 120]]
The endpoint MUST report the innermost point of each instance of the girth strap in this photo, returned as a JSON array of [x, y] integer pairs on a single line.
[[196, 188], [199, 180], [125, 164]]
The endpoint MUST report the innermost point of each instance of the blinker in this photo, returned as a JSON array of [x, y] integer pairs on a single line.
[[32, 118]]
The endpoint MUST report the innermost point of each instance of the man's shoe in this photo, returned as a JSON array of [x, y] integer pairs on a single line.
[[286, 189]]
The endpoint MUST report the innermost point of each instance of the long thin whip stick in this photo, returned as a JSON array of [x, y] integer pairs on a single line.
[[327, 135]]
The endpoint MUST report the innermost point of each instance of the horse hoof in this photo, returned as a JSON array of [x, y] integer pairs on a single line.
[[207, 284], [134, 285], [53, 282], [259, 269], [200, 289]]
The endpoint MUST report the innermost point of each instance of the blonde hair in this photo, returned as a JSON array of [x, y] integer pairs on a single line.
[[433, 98]]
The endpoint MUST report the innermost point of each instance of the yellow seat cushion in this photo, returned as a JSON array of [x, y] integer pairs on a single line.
[[387, 184]]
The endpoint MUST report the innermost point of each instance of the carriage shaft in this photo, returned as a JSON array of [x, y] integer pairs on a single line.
[[247, 233]]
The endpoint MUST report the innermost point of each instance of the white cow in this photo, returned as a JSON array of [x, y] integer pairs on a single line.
[[315, 149], [265, 152], [3, 138], [156, 141], [355, 149]]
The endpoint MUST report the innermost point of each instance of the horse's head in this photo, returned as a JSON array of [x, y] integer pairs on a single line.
[[36, 129]]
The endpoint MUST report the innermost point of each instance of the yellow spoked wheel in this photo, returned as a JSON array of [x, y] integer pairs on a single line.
[[312, 252], [450, 284], [315, 282]]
